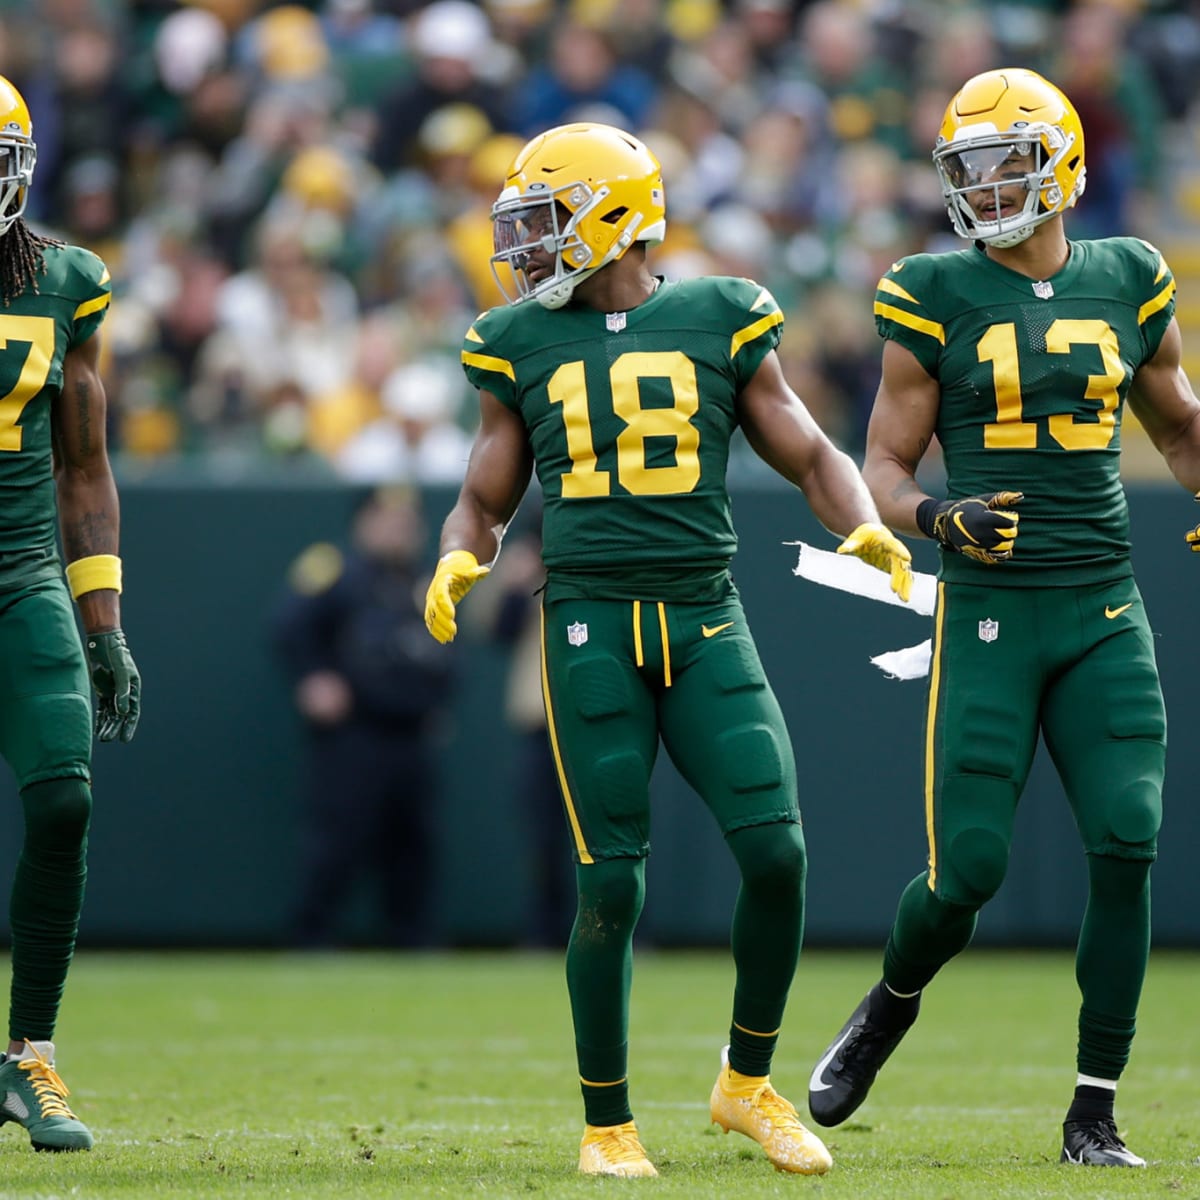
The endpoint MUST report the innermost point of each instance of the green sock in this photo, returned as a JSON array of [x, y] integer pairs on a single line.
[[599, 977], [926, 935], [768, 927], [1110, 962], [47, 898]]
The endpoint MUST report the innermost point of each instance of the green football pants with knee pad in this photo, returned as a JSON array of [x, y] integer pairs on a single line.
[[1075, 665], [46, 738], [621, 677]]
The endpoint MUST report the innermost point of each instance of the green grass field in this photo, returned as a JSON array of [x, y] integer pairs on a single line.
[[453, 1075]]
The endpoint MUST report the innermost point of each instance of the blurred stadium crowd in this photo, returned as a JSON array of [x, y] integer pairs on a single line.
[[293, 198]]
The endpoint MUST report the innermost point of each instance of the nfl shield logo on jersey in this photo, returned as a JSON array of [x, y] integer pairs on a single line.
[[1043, 289], [577, 634], [614, 322], [989, 630]]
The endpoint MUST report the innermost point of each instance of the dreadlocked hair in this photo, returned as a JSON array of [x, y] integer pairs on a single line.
[[21, 260]]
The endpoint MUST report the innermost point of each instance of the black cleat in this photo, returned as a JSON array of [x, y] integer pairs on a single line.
[[841, 1080], [1094, 1143]]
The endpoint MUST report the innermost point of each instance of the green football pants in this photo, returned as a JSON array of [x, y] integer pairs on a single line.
[[1076, 665], [619, 676], [45, 693]]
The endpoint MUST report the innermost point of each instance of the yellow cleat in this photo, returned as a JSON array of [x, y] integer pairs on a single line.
[[613, 1150], [750, 1105]]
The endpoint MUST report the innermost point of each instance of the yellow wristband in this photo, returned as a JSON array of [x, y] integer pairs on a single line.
[[93, 574]]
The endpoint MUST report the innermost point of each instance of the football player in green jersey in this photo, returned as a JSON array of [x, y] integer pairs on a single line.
[[1020, 354], [54, 471], [623, 390]]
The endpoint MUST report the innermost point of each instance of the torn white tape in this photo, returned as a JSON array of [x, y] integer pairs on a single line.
[[909, 663], [850, 574]]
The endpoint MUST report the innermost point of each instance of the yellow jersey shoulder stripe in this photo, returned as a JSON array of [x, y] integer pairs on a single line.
[[920, 324], [489, 362], [894, 289], [90, 306], [473, 336], [1158, 302], [743, 336]]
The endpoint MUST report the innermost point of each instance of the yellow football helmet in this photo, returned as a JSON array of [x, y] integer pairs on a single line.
[[584, 193], [17, 154], [1004, 127]]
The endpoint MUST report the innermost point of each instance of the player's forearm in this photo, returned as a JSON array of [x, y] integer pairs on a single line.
[[88, 512], [837, 494], [896, 492], [471, 526], [100, 611], [1182, 456], [89, 520]]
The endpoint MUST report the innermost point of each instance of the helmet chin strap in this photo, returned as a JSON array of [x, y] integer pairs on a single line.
[[1005, 241]]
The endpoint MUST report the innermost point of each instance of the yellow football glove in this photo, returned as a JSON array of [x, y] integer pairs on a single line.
[[456, 574], [879, 547], [1193, 535]]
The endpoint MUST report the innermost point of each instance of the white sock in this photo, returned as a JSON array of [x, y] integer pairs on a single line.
[[1092, 1081]]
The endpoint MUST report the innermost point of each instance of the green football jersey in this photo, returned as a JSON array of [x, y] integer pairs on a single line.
[[1033, 378], [630, 416], [36, 331]]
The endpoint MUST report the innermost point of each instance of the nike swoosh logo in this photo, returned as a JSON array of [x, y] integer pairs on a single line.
[[815, 1082], [704, 629], [1116, 612], [958, 522]]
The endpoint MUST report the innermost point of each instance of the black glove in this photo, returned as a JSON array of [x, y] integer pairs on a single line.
[[981, 527], [118, 685]]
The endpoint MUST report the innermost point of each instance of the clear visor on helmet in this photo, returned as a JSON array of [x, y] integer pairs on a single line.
[[526, 228], [17, 158], [535, 242], [998, 164]]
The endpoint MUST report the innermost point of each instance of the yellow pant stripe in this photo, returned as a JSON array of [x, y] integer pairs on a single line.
[[935, 680], [666, 643], [552, 731]]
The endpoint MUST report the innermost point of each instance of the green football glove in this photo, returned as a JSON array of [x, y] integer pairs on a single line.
[[1193, 535], [981, 527], [456, 574], [118, 685], [879, 547]]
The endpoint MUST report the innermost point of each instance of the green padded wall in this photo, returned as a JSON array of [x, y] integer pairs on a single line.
[[194, 836]]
